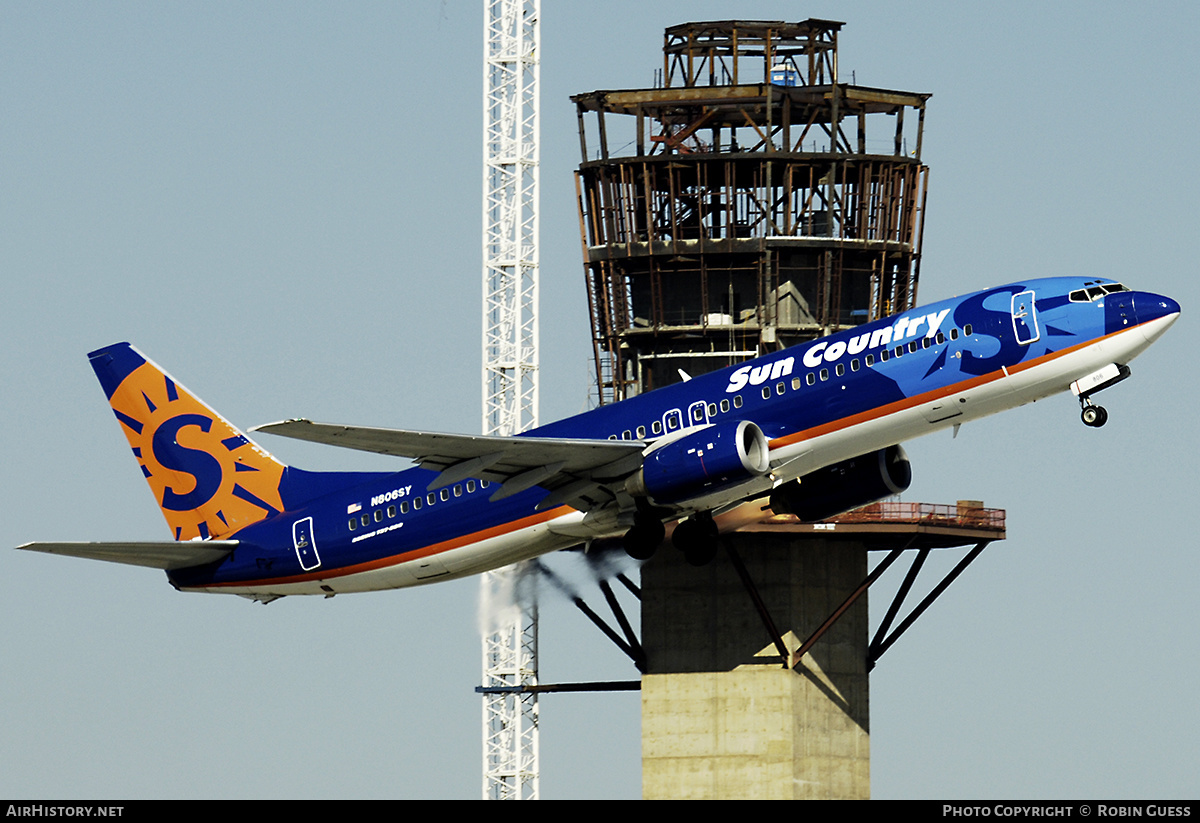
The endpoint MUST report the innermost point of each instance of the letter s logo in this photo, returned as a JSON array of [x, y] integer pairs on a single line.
[[993, 323], [201, 465]]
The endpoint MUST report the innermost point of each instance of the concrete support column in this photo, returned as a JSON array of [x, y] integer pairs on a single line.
[[721, 717]]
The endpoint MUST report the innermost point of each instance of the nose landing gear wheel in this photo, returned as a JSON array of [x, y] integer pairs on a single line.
[[1094, 416]]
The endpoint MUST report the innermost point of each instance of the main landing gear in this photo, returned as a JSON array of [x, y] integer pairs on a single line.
[[643, 538], [697, 537]]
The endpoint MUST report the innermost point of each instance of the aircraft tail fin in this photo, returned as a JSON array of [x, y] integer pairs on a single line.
[[209, 479]]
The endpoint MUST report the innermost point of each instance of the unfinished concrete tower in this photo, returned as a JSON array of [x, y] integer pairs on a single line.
[[751, 200]]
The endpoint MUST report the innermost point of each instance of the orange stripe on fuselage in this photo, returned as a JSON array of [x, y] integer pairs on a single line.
[[542, 517], [415, 554]]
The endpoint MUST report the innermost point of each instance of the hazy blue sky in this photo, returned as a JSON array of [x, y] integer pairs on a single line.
[[279, 202]]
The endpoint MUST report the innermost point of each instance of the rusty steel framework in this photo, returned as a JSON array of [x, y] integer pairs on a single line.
[[740, 206]]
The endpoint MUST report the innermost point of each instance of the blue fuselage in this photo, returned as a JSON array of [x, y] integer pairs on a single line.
[[816, 403]]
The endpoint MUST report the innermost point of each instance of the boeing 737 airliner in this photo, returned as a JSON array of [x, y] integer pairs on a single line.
[[811, 430]]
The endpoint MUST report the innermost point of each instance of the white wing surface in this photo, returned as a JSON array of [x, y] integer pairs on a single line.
[[582, 473]]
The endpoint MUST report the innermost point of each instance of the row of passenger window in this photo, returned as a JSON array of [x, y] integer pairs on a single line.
[[697, 415], [698, 410], [392, 511]]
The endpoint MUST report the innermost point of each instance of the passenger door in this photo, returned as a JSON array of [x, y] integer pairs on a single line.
[[1024, 317], [306, 544]]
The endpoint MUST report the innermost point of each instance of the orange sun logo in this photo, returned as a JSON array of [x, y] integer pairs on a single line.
[[209, 479]]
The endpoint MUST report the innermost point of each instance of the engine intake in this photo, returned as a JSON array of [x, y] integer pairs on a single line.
[[844, 486]]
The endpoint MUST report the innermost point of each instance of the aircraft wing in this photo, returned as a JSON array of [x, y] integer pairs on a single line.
[[155, 555], [582, 473]]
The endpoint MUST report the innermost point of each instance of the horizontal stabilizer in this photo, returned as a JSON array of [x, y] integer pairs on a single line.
[[166, 555]]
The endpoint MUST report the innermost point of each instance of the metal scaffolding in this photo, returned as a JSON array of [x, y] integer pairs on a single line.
[[510, 219], [510, 369], [747, 207]]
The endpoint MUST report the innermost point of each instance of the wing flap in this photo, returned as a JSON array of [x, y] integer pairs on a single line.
[[167, 555]]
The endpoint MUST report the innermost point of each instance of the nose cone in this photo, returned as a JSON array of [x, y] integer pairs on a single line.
[[1155, 314]]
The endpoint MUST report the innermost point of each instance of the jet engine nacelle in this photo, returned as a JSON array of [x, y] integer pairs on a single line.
[[718, 455], [844, 486]]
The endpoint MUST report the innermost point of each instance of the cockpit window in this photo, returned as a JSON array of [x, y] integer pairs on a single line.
[[1095, 291]]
